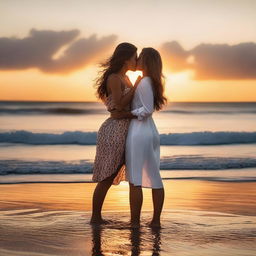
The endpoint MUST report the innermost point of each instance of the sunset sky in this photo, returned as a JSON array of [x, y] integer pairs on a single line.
[[49, 49]]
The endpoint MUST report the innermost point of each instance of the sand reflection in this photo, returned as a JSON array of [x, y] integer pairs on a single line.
[[137, 242]]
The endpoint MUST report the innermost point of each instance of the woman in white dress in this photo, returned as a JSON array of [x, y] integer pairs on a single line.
[[142, 153]]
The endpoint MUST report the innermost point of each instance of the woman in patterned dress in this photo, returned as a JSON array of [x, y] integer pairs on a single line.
[[116, 91]]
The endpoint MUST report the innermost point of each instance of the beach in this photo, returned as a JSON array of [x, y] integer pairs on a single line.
[[198, 218], [65, 71]]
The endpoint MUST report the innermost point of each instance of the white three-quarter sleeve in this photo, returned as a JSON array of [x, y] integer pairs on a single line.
[[146, 97]]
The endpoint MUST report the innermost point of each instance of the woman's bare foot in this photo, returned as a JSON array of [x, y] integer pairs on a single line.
[[154, 224], [99, 221]]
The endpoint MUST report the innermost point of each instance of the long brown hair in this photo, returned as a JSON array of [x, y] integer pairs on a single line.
[[152, 62], [123, 52]]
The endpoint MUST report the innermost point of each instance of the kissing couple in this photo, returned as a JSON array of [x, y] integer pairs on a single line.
[[128, 142]]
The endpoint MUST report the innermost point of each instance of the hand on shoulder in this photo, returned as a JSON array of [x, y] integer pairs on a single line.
[[137, 82]]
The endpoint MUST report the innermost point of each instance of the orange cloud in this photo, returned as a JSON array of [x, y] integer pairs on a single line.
[[212, 61], [38, 49]]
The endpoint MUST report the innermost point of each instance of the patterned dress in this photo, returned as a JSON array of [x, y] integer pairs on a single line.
[[110, 146]]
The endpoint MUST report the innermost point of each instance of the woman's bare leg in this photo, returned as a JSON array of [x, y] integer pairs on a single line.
[[158, 201], [136, 199], [98, 198]]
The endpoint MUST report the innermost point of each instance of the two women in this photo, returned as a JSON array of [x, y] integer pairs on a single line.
[[138, 139]]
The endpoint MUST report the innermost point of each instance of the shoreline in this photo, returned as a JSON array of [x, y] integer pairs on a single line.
[[222, 175], [227, 197]]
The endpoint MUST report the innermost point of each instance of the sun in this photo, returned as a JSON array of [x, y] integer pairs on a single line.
[[133, 75]]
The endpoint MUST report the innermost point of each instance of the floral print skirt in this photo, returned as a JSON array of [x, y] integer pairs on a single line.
[[110, 150]]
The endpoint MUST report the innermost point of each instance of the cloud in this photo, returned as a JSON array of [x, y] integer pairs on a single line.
[[38, 50], [175, 56], [212, 61]]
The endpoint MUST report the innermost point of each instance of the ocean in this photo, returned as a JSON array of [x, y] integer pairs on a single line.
[[56, 141]]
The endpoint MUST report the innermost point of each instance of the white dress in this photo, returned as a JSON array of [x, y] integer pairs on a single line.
[[142, 152]]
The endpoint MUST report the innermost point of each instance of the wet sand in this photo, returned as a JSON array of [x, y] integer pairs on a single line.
[[199, 218]]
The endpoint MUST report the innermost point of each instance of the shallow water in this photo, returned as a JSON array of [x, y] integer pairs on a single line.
[[184, 232]]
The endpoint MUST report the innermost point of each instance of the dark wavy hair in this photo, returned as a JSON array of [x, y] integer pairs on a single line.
[[152, 62], [123, 52]]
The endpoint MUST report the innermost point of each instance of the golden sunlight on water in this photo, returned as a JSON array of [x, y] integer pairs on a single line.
[[199, 218], [229, 197]]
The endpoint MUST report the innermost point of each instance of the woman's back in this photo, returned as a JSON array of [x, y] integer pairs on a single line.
[[110, 102]]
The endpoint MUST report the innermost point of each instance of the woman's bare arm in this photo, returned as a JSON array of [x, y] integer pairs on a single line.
[[127, 98], [121, 101], [122, 114]]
